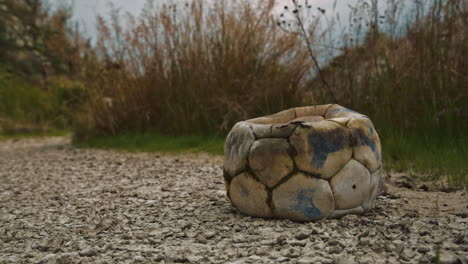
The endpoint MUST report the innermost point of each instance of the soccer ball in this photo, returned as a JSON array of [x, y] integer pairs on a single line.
[[304, 164]]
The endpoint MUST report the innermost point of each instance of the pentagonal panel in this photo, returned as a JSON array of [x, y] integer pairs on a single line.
[[376, 181], [249, 196], [236, 148], [339, 111], [303, 198], [322, 148], [351, 185], [367, 148], [270, 161]]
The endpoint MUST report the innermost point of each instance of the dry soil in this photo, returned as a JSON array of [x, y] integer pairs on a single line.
[[59, 204]]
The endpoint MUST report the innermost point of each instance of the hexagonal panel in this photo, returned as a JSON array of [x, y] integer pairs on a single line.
[[351, 185], [376, 181], [270, 161], [249, 196], [322, 148], [303, 198], [367, 148], [236, 148]]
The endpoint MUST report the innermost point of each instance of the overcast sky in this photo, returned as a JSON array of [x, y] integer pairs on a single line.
[[85, 11]]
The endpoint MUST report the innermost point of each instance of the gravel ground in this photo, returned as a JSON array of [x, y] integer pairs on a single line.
[[59, 204]]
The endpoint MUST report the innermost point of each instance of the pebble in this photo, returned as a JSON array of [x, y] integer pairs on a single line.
[[88, 252]]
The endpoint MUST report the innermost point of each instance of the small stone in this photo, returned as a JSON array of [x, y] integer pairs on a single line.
[[315, 260], [201, 240], [302, 236], [282, 259], [238, 239], [209, 234], [282, 239], [447, 258], [306, 260], [423, 187], [139, 258], [344, 259], [335, 250], [88, 252], [300, 243], [291, 253]]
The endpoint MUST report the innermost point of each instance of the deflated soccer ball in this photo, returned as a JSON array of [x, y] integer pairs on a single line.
[[304, 164]]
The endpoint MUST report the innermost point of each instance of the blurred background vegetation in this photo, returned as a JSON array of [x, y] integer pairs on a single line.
[[179, 76]]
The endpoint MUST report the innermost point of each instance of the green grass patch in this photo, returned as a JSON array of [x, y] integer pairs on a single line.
[[20, 101], [433, 154], [34, 133], [156, 142], [24, 104]]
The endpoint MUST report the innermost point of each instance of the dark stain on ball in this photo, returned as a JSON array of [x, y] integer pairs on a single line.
[[323, 143], [304, 203], [244, 190], [359, 138]]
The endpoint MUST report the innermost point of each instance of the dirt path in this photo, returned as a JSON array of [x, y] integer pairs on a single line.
[[59, 204]]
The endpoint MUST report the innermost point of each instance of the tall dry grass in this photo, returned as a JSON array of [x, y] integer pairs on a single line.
[[416, 81], [192, 69]]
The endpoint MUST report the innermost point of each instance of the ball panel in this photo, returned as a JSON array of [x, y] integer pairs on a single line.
[[278, 118], [376, 181], [303, 198], [351, 185], [322, 148], [339, 111], [342, 121], [236, 148], [367, 148], [340, 213], [316, 110], [261, 130], [282, 130], [249, 196], [270, 161], [307, 119]]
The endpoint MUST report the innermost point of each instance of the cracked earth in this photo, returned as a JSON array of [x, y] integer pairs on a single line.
[[60, 204]]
